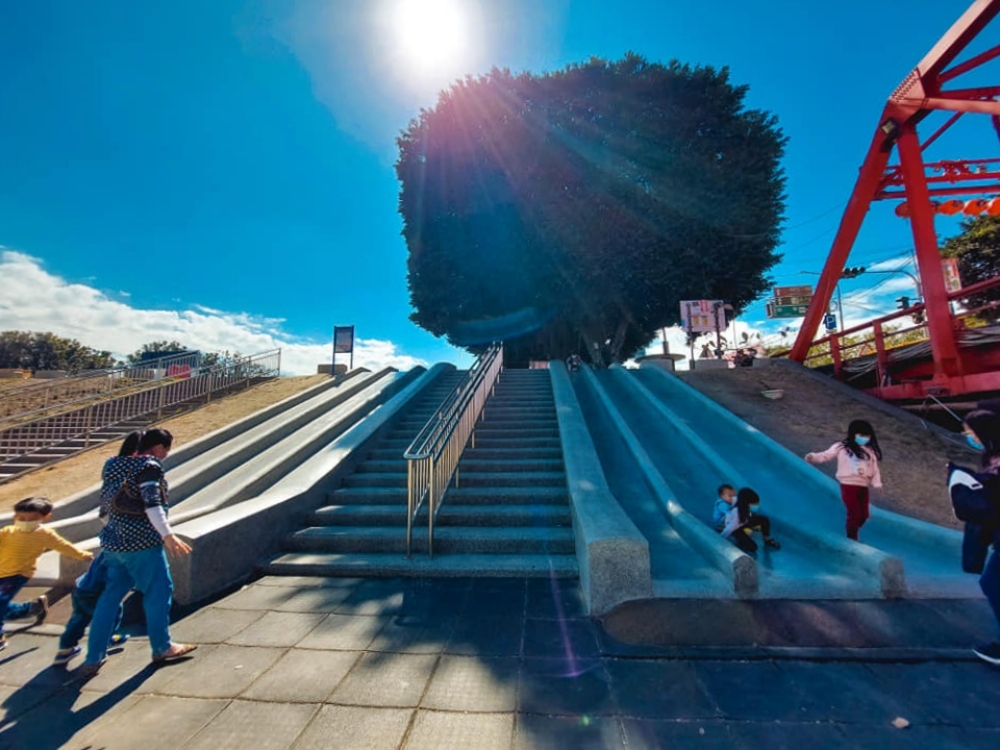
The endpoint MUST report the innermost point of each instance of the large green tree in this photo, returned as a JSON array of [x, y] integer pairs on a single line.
[[46, 351], [572, 211], [977, 249]]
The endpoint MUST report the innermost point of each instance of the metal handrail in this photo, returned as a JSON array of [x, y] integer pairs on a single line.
[[89, 425], [36, 398], [433, 456]]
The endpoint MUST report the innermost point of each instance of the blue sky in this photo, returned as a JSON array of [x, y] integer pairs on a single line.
[[221, 172]]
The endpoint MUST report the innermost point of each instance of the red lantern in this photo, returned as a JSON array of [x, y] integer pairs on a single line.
[[974, 207], [903, 210], [950, 208], [993, 207]]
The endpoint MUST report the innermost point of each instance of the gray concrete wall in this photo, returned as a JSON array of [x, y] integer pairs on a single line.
[[612, 553]]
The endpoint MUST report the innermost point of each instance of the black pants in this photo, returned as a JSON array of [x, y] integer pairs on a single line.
[[742, 538]]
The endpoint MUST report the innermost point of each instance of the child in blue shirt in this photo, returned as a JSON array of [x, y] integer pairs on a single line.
[[723, 504], [88, 590]]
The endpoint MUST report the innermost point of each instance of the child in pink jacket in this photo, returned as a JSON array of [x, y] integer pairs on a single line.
[[857, 470]]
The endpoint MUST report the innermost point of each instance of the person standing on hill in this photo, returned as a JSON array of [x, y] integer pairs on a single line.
[[858, 456]]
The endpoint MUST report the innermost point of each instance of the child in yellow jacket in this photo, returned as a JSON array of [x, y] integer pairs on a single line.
[[21, 544]]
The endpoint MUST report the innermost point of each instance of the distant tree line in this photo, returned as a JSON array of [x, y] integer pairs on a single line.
[[31, 350]]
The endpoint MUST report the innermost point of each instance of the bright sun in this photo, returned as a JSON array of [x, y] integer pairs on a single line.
[[432, 34]]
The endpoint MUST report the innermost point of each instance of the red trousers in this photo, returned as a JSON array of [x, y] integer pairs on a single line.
[[856, 501]]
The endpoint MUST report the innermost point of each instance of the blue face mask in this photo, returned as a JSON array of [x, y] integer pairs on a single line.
[[973, 443], [862, 440]]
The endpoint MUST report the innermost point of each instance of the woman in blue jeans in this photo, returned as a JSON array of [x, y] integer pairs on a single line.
[[136, 541], [982, 430]]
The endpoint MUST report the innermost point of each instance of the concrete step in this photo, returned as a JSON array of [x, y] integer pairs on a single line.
[[479, 465], [450, 515], [397, 565], [468, 479], [532, 421], [462, 495], [500, 430], [509, 441], [387, 466], [513, 453], [447, 540]]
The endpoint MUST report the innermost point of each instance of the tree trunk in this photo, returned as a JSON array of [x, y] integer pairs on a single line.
[[618, 341]]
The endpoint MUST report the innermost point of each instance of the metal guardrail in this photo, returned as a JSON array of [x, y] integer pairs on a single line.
[[84, 425], [433, 456], [34, 399]]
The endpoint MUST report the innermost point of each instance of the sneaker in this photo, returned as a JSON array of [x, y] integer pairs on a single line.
[[87, 671], [40, 609], [119, 639], [3, 642], [772, 543], [63, 656], [988, 652]]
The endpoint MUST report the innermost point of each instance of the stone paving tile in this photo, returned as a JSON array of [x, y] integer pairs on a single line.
[[434, 730], [257, 598], [133, 665], [344, 632], [559, 687], [560, 638], [463, 683], [964, 694], [495, 597], [324, 600], [307, 582], [499, 636], [261, 726], [156, 722], [224, 672], [374, 597], [302, 676], [649, 734], [405, 637], [554, 598], [396, 680], [842, 693], [14, 701], [923, 738], [820, 623], [908, 622], [277, 630], [754, 735], [213, 625], [355, 728], [562, 732], [66, 719], [749, 690], [27, 660], [659, 690]]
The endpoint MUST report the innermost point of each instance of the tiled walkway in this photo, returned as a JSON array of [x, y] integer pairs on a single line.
[[483, 664]]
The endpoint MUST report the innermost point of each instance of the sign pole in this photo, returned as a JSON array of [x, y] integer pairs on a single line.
[[690, 334], [333, 363]]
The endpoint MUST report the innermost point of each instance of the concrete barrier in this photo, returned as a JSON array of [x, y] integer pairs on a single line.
[[612, 553], [740, 569], [228, 544]]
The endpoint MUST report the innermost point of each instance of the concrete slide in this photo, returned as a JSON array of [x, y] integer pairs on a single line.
[[692, 448], [243, 460]]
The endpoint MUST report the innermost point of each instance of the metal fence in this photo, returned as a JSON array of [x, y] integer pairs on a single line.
[[433, 456], [86, 426], [26, 401]]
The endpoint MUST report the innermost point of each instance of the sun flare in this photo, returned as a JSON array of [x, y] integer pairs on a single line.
[[432, 35]]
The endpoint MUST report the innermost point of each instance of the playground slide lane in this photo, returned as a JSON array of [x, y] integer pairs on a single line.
[[802, 497], [677, 570], [809, 565]]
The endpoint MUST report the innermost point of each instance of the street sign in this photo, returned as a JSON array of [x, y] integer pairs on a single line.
[[703, 315], [952, 279], [793, 291], [830, 321], [794, 299], [785, 311]]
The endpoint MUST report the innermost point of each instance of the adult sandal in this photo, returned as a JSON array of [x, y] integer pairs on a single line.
[[176, 651]]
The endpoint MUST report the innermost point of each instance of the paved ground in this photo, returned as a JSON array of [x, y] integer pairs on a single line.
[[310, 663]]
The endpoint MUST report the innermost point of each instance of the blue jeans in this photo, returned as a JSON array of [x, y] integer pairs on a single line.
[[989, 582], [146, 571], [9, 610], [84, 605]]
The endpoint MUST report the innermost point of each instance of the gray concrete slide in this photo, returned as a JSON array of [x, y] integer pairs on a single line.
[[815, 560], [244, 459], [800, 497]]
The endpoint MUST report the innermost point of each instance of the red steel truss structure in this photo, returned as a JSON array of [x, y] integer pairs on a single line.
[[921, 185]]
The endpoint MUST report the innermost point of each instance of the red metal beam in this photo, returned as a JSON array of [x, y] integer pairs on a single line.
[[970, 64], [957, 38]]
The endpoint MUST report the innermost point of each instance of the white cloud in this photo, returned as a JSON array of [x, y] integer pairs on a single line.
[[31, 299]]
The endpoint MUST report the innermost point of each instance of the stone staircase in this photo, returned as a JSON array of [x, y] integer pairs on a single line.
[[508, 516]]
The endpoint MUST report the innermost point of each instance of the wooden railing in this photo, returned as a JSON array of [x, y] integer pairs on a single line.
[[433, 456]]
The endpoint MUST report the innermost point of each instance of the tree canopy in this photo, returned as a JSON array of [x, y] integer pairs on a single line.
[[45, 351], [572, 211], [977, 249]]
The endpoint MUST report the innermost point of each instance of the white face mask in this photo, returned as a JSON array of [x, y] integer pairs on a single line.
[[27, 525]]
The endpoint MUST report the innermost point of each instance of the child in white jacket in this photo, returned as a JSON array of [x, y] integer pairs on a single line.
[[858, 459]]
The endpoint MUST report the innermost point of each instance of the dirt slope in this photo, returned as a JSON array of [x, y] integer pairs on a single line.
[[814, 414], [75, 474]]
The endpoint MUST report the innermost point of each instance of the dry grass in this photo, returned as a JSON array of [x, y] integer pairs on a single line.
[[66, 478]]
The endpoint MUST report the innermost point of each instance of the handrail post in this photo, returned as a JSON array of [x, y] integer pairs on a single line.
[[881, 356], [835, 355]]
